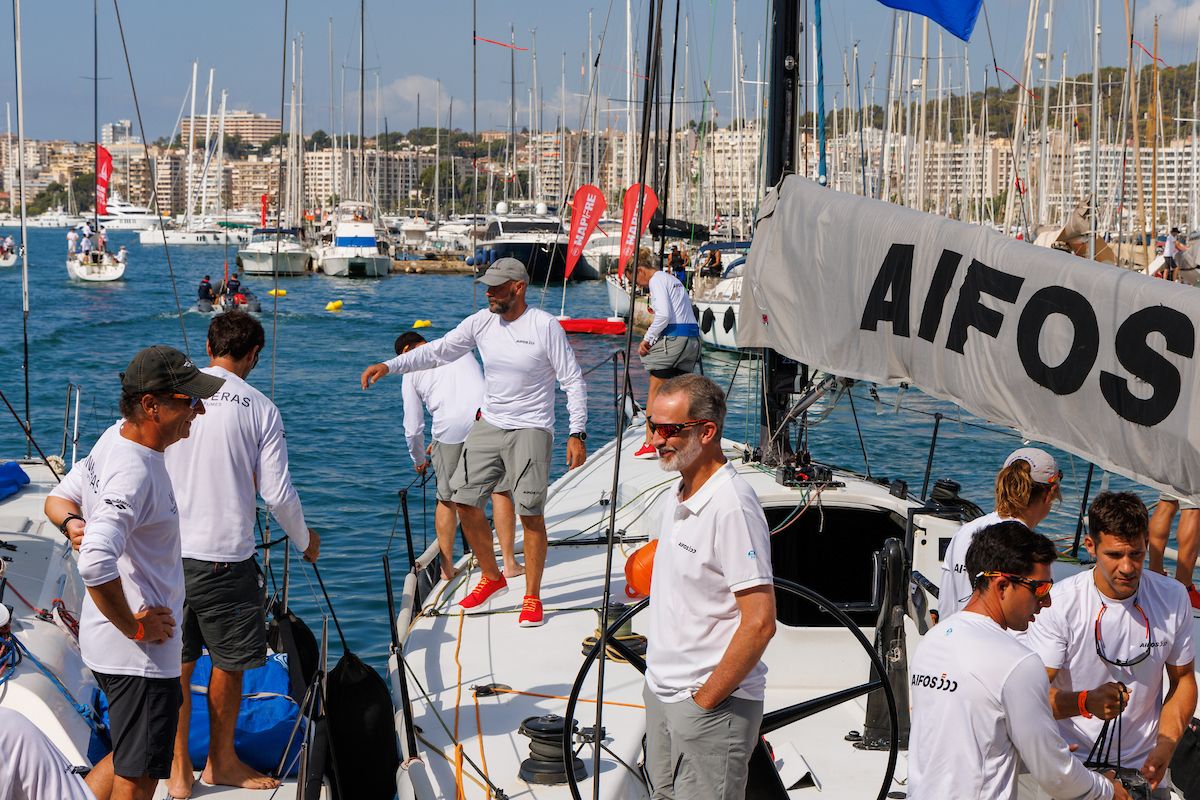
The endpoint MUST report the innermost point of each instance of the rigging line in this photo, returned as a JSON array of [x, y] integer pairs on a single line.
[[24, 232], [862, 442], [137, 110], [279, 210], [29, 436], [1012, 153], [665, 186], [332, 613]]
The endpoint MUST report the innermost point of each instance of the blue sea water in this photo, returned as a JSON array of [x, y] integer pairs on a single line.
[[347, 448]]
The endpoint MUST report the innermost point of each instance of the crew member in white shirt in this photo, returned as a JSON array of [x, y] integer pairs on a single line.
[[237, 450], [712, 608], [1026, 489], [1171, 248], [31, 767], [72, 239], [453, 394], [524, 351], [118, 507], [978, 695], [1109, 637], [671, 345]]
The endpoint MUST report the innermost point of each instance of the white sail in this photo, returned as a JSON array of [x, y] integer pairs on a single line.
[[1095, 359]]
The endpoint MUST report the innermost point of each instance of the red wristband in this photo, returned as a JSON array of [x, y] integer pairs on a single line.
[[141, 632], [1082, 708]]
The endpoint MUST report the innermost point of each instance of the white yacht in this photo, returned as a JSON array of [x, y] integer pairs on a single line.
[[274, 252], [203, 234], [125, 216], [95, 267], [55, 218], [353, 249], [717, 299], [536, 238]]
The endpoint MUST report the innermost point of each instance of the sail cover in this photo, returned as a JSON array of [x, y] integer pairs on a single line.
[[1095, 359]]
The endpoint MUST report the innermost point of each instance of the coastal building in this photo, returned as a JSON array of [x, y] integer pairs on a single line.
[[251, 128]]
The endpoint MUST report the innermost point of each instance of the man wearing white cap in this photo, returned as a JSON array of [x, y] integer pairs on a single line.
[[1026, 488], [524, 351]]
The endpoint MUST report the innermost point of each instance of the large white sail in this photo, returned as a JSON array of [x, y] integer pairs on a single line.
[[1095, 359]]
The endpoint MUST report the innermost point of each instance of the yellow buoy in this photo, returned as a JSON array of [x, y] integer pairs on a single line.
[[422, 323], [277, 293], [333, 305]]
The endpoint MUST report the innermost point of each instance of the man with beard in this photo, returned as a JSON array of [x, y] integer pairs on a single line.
[[1111, 634], [524, 351], [712, 611]]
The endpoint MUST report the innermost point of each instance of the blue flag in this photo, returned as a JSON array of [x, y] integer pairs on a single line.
[[956, 16]]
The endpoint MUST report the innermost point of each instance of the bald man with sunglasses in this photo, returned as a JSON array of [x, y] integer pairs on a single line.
[[1109, 638]]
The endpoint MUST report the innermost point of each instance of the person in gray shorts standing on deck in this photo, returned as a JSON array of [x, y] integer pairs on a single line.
[[712, 608], [453, 394], [671, 345], [237, 451], [524, 351]]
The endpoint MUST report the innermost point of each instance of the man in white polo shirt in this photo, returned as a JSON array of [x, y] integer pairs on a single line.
[[118, 507], [453, 394], [671, 345], [237, 451], [712, 608], [1117, 624], [978, 695], [524, 351]]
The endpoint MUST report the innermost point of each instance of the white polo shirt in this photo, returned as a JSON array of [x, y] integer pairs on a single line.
[[452, 393], [955, 589], [236, 449], [1064, 635], [978, 702], [710, 546], [31, 767], [522, 360], [131, 532], [670, 304]]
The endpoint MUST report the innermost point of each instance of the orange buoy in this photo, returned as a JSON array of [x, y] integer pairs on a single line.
[[639, 570]]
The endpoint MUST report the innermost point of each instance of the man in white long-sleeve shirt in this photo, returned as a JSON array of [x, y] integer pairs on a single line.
[[237, 450], [979, 696], [453, 394], [118, 507], [524, 351], [671, 345]]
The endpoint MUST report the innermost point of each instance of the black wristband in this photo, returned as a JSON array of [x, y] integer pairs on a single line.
[[63, 527], [580, 435]]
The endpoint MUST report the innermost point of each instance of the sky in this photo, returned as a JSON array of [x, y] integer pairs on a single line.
[[410, 46]]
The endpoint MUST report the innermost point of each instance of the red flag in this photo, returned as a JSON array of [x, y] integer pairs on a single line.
[[586, 210], [630, 233], [103, 173], [265, 200]]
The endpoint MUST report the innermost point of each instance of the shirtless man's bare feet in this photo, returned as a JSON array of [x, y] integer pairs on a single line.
[[237, 774]]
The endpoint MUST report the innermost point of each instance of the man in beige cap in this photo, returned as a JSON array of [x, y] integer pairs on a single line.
[[524, 351], [117, 506]]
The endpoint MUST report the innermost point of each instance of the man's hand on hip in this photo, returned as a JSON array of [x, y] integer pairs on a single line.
[[576, 452], [313, 551], [158, 624], [373, 373], [643, 348]]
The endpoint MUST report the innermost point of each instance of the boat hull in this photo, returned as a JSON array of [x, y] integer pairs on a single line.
[[718, 321], [370, 265], [109, 269], [546, 261], [285, 262], [178, 237], [618, 297]]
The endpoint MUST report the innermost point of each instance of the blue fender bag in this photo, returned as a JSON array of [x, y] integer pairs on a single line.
[[12, 478], [265, 721]]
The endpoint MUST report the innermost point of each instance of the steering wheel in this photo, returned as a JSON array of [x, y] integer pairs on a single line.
[[772, 720]]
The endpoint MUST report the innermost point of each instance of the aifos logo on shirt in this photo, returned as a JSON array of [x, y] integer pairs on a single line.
[[939, 682]]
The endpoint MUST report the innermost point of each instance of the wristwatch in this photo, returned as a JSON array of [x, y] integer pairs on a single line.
[[66, 520], [580, 435]]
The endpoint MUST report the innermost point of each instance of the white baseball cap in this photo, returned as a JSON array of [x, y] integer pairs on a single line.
[[1042, 466]]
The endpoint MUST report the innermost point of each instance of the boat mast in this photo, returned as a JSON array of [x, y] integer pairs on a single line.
[[95, 115], [437, 152], [1044, 139], [336, 162], [207, 145], [1195, 215], [362, 152], [1094, 207], [191, 167], [21, 193]]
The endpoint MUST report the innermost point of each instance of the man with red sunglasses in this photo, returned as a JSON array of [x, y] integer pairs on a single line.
[[1109, 637], [978, 694]]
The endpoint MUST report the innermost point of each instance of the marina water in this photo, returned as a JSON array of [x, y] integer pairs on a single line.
[[347, 448]]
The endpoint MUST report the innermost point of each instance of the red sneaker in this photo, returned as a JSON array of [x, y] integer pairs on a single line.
[[646, 451], [485, 590], [531, 612], [1194, 596]]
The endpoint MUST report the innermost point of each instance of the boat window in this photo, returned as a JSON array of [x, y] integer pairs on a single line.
[[531, 227], [830, 551]]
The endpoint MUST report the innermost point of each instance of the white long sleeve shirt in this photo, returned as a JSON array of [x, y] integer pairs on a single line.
[[131, 532], [670, 303], [522, 360], [236, 445], [955, 588], [452, 394], [979, 701]]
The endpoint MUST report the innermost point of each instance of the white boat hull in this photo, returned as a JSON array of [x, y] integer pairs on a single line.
[[155, 236], [8, 260], [718, 323], [618, 296], [285, 262], [365, 265], [108, 269]]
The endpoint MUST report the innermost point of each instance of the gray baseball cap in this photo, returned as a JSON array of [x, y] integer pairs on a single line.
[[504, 270], [165, 369]]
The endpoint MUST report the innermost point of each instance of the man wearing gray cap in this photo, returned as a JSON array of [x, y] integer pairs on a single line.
[[524, 351], [118, 508]]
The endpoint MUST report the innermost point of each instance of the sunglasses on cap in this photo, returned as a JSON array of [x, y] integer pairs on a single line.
[[669, 429], [1040, 589]]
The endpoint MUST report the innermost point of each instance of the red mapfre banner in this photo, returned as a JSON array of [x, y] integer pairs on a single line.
[[631, 234], [103, 173], [265, 200], [586, 211]]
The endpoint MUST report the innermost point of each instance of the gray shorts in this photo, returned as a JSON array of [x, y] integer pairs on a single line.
[[223, 610], [671, 356], [1185, 503], [496, 460], [694, 753], [445, 459]]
